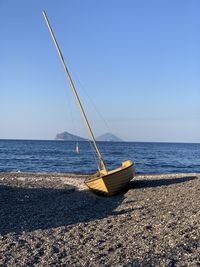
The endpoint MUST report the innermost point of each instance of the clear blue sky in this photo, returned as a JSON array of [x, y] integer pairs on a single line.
[[139, 62]]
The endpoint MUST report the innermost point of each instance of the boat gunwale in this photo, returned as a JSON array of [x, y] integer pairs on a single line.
[[108, 174]]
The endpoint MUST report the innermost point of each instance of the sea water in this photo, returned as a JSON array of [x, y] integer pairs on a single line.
[[61, 156]]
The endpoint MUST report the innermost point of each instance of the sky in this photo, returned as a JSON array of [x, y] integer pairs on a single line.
[[135, 64]]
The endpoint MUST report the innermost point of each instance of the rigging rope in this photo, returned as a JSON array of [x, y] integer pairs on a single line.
[[94, 153], [83, 89]]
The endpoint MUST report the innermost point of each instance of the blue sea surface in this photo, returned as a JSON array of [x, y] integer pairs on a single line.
[[60, 156]]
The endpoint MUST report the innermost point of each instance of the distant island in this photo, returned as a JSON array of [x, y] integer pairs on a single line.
[[65, 136], [107, 137]]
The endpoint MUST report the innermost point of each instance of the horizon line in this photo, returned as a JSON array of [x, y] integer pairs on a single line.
[[123, 141]]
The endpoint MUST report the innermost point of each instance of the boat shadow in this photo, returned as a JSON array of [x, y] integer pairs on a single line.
[[159, 182], [29, 209]]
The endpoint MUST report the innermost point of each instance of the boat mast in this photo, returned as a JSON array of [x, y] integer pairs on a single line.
[[102, 164]]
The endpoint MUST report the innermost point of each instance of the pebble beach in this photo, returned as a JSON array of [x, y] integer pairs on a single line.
[[54, 220]]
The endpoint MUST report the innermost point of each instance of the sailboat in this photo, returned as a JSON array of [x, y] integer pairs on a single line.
[[103, 181], [77, 148]]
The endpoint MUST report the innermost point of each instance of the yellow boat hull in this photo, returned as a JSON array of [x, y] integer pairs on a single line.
[[112, 182]]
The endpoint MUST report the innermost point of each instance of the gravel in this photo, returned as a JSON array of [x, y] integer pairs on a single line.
[[54, 220]]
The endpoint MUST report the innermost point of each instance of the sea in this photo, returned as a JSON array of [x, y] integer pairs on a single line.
[[61, 156]]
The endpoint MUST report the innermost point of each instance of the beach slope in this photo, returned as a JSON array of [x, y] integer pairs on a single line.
[[54, 220]]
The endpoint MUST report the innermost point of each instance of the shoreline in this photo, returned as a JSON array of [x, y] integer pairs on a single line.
[[53, 219]]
